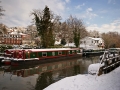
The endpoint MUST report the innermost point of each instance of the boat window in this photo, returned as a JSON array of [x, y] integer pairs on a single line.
[[60, 52], [69, 52], [44, 53], [73, 51], [53, 53]]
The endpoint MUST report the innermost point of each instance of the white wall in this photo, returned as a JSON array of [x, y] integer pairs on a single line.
[[91, 43]]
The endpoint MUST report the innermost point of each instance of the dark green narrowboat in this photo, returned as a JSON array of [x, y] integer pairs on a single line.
[[17, 56]]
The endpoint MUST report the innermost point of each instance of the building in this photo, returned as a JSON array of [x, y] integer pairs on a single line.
[[89, 43], [92, 43], [12, 39], [17, 36]]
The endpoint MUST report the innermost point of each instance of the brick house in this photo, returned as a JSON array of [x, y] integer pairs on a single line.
[[13, 39]]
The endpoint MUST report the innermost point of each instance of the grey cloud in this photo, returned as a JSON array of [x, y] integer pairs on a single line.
[[18, 11]]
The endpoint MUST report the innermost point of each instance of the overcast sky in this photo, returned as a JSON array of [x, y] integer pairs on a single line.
[[100, 15]]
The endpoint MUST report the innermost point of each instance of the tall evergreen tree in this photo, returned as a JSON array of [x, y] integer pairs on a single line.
[[44, 27]]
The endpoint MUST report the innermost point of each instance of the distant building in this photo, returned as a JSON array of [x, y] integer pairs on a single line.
[[92, 43], [89, 43], [17, 36], [58, 42], [12, 39]]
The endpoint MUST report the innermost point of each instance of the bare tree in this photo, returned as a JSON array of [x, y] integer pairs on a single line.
[[111, 39], [76, 30], [3, 29], [63, 31], [94, 33], [1, 11]]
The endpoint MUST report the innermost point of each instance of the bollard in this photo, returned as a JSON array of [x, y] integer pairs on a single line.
[[104, 70]]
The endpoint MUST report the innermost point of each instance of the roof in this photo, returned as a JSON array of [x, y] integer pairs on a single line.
[[93, 38], [16, 33], [52, 49]]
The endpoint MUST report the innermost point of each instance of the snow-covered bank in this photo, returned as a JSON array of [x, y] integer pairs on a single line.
[[110, 81]]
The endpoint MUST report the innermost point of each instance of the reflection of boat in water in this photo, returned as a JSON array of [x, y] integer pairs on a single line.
[[31, 70]]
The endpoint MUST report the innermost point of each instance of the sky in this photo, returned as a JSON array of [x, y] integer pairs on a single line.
[[99, 15]]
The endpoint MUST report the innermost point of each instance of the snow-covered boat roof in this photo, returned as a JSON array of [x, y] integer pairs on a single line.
[[52, 49]]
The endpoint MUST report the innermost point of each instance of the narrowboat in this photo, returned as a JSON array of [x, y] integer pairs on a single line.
[[91, 52], [34, 56], [1, 57]]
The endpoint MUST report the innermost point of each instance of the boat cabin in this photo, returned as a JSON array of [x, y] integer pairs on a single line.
[[25, 54]]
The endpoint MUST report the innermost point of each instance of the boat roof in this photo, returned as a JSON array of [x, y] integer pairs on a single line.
[[52, 49]]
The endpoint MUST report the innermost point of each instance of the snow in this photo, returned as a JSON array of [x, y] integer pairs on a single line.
[[49, 49], [53, 49], [110, 81], [85, 46], [69, 45], [1, 57], [93, 68]]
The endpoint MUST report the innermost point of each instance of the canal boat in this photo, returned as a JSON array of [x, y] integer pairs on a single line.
[[34, 56], [92, 52], [1, 57]]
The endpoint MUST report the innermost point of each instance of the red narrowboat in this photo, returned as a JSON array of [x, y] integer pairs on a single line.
[[31, 56]]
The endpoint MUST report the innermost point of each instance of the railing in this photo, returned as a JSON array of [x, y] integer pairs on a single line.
[[109, 61]]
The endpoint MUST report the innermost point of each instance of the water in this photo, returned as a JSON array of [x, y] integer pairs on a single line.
[[37, 77]]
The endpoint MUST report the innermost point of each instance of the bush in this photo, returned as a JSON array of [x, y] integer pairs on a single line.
[[4, 47], [56, 46]]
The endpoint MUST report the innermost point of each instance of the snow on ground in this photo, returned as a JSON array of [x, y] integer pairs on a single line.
[[93, 68], [110, 81]]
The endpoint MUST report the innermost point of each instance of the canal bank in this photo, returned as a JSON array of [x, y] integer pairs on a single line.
[[110, 81]]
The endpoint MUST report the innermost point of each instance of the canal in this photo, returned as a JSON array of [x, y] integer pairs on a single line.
[[37, 77]]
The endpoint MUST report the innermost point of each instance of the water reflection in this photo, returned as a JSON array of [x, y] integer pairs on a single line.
[[45, 78], [37, 77]]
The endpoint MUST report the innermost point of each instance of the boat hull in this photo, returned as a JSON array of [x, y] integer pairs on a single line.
[[92, 53], [1, 58]]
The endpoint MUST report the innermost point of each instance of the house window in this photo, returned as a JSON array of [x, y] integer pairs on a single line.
[[84, 41], [77, 51], [44, 54], [92, 41], [60, 52], [96, 41]]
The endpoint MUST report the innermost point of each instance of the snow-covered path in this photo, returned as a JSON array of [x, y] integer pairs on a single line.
[[110, 81]]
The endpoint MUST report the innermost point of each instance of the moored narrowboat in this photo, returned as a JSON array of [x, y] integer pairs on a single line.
[[34, 56]]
